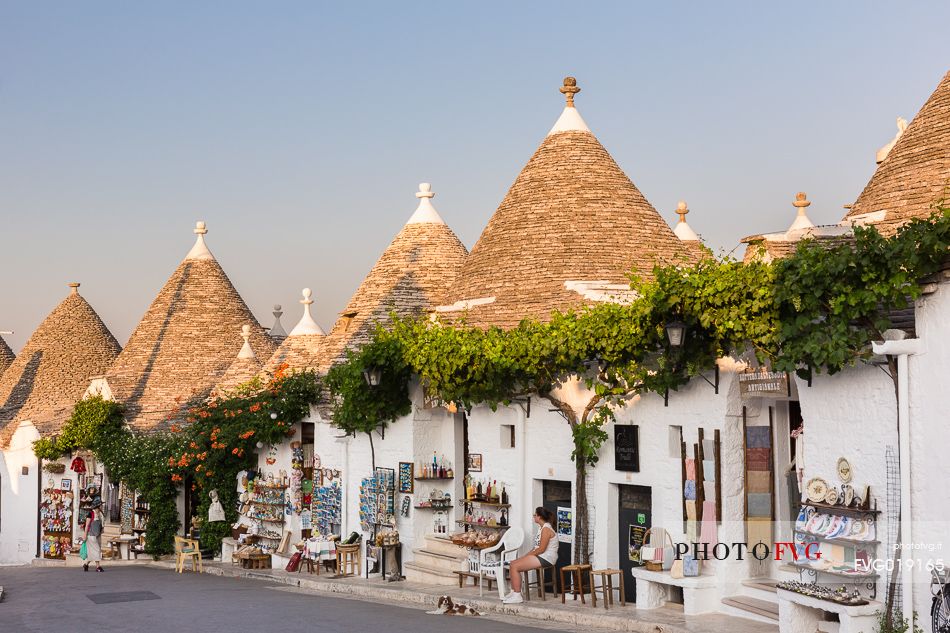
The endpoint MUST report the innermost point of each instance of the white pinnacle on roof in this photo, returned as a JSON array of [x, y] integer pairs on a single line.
[[200, 249], [246, 350], [802, 222], [277, 330], [425, 212], [884, 151], [684, 231], [570, 120], [306, 325]]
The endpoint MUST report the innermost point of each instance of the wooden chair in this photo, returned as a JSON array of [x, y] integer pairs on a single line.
[[606, 588], [187, 548]]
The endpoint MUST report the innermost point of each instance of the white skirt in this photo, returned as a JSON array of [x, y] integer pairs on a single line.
[[93, 549]]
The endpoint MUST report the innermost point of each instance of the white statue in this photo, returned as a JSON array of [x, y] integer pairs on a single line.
[[884, 151], [216, 511]]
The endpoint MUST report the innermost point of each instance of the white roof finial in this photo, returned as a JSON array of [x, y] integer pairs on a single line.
[[200, 250], [246, 350], [425, 212], [277, 330], [684, 231], [570, 120], [306, 325], [802, 222], [884, 151]]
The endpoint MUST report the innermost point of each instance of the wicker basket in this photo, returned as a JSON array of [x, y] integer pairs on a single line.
[[655, 565]]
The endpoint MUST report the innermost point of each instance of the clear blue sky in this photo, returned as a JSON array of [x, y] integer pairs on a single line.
[[298, 131]]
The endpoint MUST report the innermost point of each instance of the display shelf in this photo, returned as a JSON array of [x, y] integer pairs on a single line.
[[433, 478], [265, 519], [491, 504], [840, 574], [830, 509], [267, 503], [442, 508], [269, 486], [482, 525], [844, 541]]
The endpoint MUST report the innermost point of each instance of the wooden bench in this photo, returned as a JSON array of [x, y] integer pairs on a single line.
[[255, 561], [463, 575]]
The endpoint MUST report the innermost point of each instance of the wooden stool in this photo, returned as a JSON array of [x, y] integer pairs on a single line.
[[576, 574], [606, 587], [348, 560], [305, 560], [540, 582]]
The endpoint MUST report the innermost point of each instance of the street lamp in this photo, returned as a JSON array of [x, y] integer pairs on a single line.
[[676, 332], [372, 376]]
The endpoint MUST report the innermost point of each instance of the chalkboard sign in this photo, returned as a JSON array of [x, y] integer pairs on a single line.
[[627, 447]]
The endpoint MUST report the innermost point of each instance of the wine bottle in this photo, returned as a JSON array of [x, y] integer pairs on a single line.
[[504, 496]]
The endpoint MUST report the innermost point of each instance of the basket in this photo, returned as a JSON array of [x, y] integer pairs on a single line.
[[653, 565], [236, 532], [55, 467]]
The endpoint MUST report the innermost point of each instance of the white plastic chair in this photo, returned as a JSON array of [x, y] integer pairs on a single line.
[[507, 551]]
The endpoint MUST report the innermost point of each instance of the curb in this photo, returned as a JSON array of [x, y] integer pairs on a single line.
[[580, 619]]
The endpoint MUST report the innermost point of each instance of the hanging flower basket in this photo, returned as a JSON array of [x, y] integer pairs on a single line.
[[55, 467]]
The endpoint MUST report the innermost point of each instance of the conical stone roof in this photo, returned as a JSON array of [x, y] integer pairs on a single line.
[[303, 347], [6, 356], [52, 372], [916, 172], [410, 277], [185, 343], [569, 231]]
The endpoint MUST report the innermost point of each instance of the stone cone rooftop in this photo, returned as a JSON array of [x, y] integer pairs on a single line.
[[241, 371], [185, 343], [6, 356], [916, 172], [301, 351], [571, 215], [52, 372], [410, 277]]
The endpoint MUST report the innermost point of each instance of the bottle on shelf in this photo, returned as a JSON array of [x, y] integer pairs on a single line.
[[478, 490], [504, 495]]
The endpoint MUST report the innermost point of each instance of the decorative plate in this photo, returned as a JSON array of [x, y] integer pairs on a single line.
[[848, 491], [817, 490], [844, 470], [831, 498], [436, 494]]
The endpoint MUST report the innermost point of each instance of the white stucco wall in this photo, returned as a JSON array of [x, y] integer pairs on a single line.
[[930, 440], [18, 498]]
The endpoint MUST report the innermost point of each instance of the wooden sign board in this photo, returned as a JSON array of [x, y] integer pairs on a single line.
[[627, 447], [757, 384]]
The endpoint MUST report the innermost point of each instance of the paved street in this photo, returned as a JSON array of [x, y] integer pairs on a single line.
[[63, 600]]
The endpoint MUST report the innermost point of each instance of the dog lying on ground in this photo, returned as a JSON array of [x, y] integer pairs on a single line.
[[447, 606]]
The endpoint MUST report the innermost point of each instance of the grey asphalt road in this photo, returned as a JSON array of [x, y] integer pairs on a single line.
[[140, 599]]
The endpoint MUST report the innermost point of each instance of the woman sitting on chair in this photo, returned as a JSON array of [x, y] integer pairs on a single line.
[[543, 555]]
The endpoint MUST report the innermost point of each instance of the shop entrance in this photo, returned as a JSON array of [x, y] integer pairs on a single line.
[[557, 495], [633, 515]]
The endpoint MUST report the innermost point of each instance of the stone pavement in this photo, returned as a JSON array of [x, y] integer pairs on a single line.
[[550, 613]]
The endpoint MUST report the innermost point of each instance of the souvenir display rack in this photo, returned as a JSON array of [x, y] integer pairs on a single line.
[[140, 515], [56, 520], [266, 506], [855, 549], [326, 508], [91, 496], [485, 519], [378, 500]]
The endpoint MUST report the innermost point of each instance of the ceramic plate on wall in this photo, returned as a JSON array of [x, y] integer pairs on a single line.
[[817, 490], [844, 470], [831, 497]]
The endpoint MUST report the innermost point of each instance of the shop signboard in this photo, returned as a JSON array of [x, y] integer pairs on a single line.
[[756, 384], [627, 447]]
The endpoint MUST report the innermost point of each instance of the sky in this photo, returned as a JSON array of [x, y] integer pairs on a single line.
[[299, 131]]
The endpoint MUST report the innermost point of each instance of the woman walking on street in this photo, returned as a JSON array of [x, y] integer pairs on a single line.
[[92, 538]]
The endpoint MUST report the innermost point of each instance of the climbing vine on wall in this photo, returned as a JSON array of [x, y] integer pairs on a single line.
[[220, 436]]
